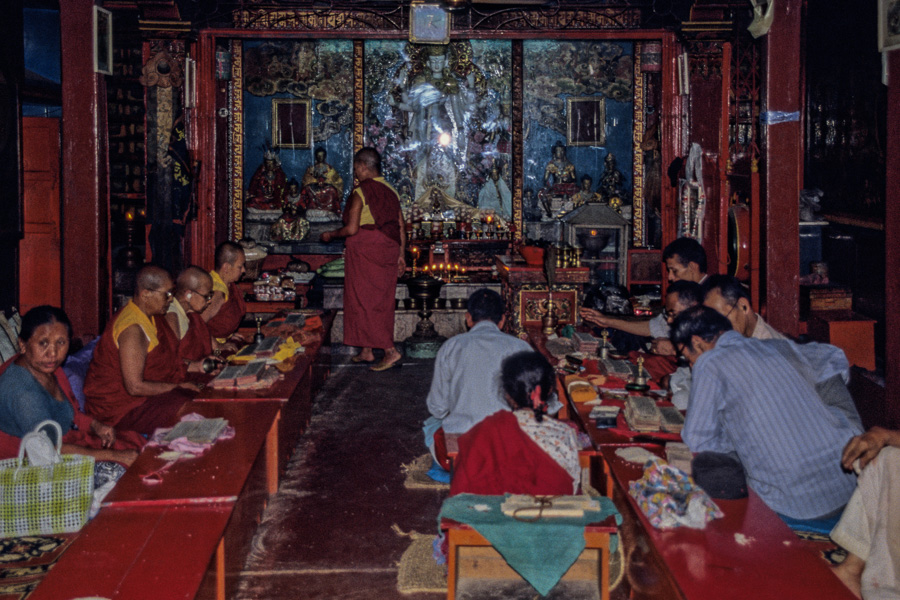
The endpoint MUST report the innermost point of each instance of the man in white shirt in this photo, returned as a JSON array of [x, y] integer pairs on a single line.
[[466, 384]]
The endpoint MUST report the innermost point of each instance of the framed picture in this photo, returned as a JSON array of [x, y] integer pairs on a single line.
[[888, 24], [103, 42], [291, 123], [428, 24], [586, 121]]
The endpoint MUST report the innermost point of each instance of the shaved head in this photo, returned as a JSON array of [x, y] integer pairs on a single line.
[[192, 279], [227, 253], [152, 278]]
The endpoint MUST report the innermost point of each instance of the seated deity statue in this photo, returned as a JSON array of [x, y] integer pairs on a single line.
[[268, 184], [559, 174], [612, 184], [322, 190], [495, 194], [291, 226], [585, 194]]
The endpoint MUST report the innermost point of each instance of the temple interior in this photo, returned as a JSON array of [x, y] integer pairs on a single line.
[[549, 150]]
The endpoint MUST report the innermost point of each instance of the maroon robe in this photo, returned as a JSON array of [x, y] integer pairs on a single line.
[[370, 282], [496, 457], [106, 398], [197, 342], [229, 317]]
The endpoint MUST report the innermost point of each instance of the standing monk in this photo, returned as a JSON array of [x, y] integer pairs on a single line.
[[136, 379], [226, 310], [373, 226]]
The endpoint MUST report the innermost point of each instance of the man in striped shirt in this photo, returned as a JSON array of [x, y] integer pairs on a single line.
[[747, 399]]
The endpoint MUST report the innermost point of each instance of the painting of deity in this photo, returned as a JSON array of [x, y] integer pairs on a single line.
[[440, 116], [578, 103], [298, 113]]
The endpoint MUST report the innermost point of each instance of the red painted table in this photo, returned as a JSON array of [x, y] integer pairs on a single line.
[[219, 475], [142, 553], [748, 554]]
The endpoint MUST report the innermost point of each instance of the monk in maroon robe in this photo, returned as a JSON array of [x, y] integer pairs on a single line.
[[136, 379], [225, 312], [373, 227], [193, 293]]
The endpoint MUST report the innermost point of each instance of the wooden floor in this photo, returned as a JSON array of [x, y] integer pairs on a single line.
[[327, 533]]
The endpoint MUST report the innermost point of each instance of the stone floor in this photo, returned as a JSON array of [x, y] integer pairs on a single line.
[[327, 533]]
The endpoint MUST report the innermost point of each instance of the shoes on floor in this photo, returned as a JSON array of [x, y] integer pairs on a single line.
[[384, 366]]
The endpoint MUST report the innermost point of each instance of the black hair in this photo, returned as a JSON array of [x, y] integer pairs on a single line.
[[521, 373], [43, 315], [688, 250], [485, 304], [730, 287], [690, 293], [702, 321], [369, 157]]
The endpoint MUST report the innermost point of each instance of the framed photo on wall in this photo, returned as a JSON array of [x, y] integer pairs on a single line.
[[428, 24], [103, 43], [586, 121], [888, 24], [291, 123]]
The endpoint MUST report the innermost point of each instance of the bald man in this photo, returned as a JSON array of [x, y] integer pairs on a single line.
[[226, 310], [136, 379], [193, 293]]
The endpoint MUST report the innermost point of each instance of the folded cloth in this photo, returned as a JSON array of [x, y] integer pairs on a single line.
[[540, 551], [669, 498], [580, 389]]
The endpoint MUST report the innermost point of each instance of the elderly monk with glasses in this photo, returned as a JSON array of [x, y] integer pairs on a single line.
[[136, 378], [193, 293]]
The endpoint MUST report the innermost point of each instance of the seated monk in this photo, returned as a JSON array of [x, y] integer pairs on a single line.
[[193, 293], [225, 312], [523, 451], [136, 379], [34, 388]]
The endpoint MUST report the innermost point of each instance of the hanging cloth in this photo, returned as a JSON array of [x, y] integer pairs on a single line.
[[692, 197]]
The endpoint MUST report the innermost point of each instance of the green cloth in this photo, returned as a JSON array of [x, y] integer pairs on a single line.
[[540, 551]]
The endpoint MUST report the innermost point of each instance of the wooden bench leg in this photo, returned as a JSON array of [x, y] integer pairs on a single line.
[[220, 570], [272, 457]]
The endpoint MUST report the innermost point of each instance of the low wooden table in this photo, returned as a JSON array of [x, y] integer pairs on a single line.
[[748, 554], [142, 553]]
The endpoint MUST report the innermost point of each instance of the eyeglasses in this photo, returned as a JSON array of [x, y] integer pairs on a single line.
[[208, 297], [168, 293], [733, 306]]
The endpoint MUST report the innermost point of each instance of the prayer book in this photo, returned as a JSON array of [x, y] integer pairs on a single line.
[[642, 414], [204, 431], [679, 456], [619, 367], [671, 420], [526, 507], [239, 375], [604, 416]]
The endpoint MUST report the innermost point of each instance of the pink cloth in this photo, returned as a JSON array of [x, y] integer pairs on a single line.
[[370, 288]]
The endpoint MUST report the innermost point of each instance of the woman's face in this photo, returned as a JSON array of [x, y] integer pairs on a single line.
[[46, 349]]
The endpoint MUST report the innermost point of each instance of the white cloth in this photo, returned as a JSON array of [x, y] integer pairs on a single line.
[[764, 331], [870, 526], [466, 384], [659, 327]]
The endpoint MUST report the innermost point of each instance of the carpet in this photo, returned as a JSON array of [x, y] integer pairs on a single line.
[[417, 477], [25, 560], [417, 572]]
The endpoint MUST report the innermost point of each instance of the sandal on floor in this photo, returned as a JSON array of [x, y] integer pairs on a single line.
[[358, 360]]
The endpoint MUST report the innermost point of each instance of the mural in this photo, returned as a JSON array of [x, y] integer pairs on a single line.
[[440, 116], [577, 125], [298, 112]]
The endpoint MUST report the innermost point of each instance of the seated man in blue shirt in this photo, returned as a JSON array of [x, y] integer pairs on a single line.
[[749, 400], [466, 384]]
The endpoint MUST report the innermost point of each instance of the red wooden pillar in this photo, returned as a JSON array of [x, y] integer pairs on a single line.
[[85, 197], [892, 245], [783, 169]]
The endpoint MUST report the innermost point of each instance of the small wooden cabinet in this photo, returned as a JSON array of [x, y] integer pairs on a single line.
[[849, 331]]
